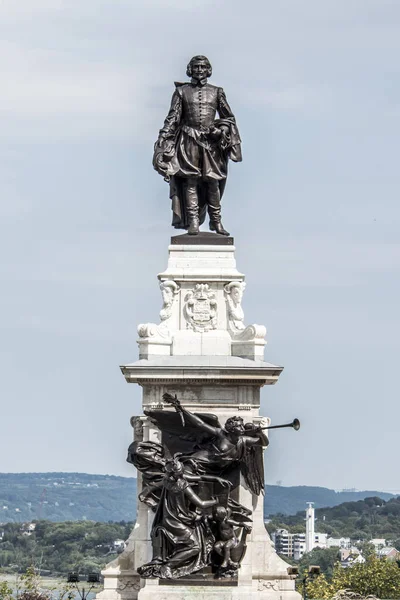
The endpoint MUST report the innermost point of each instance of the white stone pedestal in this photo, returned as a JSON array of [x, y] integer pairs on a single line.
[[203, 352]]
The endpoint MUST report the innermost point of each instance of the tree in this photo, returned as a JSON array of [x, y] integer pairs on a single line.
[[367, 549], [6, 592], [324, 557], [320, 588], [30, 586], [377, 576]]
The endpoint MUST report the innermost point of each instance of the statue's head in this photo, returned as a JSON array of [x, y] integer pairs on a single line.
[[219, 512], [174, 468], [234, 425], [168, 289], [199, 67], [235, 289]]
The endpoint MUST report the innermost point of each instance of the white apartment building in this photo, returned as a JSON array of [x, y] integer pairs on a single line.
[[285, 542], [378, 543], [343, 542], [299, 548], [293, 545]]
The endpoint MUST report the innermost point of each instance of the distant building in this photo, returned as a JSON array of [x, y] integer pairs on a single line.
[[295, 545], [285, 542], [299, 548], [378, 543], [300, 544], [310, 526], [350, 557], [388, 552], [342, 542], [320, 540], [28, 528]]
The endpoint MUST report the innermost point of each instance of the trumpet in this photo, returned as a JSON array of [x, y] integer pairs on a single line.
[[295, 424]]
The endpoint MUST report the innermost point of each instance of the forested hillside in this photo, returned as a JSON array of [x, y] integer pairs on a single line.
[[365, 519], [58, 548], [76, 496]]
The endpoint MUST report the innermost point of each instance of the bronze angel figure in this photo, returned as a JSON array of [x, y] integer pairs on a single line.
[[214, 449]]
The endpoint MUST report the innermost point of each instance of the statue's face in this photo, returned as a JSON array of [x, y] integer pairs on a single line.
[[219, 513], [199, 69], [174, 469], [237, 294], [235, 425], [166, 294]]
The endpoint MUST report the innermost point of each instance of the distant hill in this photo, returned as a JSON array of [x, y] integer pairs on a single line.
[[76, 496], [66, 497], [290, 500]]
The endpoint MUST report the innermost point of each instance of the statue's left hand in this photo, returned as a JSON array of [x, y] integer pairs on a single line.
[[215, 133], [224, 482]]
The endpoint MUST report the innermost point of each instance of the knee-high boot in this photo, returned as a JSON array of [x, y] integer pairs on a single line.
[[214, 208], [192, 207]]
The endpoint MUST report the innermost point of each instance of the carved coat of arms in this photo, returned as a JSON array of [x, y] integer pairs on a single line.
[[201, 308]]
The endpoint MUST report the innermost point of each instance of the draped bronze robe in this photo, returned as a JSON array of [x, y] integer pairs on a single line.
[[191, 149]]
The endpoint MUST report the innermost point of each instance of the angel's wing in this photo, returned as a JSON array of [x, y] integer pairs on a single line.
[[171, 422], [252, 468], [238, 512], [239, 517]]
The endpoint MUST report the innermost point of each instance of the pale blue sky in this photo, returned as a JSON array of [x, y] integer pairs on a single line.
[[314, 209]]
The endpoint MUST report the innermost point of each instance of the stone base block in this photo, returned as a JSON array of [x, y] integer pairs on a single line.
[[240, 592], [252, 350], [154, 347], [119, 585], [211, 343]]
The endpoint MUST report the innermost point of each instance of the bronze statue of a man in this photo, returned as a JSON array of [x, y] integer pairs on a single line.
[[193, 149]]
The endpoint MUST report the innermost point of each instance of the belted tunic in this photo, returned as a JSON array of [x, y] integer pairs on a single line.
[[192, 124]]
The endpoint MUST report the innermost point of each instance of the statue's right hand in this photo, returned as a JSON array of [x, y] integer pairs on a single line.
[[247, 528], [169, 399]]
